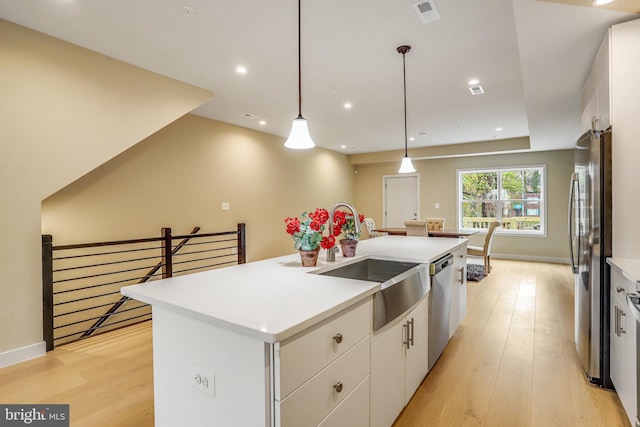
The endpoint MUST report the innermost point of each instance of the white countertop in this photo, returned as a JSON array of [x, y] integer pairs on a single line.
[[630, 268], [273, 299]]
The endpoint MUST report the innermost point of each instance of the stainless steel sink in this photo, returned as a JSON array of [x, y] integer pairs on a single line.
[[402, 284]]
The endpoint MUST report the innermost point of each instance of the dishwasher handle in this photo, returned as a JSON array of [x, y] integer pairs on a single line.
[[440, 264]]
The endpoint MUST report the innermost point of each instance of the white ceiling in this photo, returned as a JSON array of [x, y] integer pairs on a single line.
[[531, 57]]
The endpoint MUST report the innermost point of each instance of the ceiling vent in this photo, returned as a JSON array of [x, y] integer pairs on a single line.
[[476, 90], [427, 11]]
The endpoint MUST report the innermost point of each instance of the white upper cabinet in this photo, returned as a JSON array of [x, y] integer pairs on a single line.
[[596, 94]]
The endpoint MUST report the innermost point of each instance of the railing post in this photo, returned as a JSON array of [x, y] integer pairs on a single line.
[[242, 243], [167, 261], [47, 290]]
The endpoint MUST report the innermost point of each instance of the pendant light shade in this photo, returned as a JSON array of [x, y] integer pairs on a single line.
[[406, 166], [299, 137]]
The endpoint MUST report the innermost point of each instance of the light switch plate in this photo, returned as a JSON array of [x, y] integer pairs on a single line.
[[225, 206]]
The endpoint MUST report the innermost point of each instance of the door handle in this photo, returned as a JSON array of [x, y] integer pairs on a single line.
[[572, 186], [406, 327], [411, 331]]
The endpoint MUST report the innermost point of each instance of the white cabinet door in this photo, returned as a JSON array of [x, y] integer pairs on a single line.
[[617, 347], [623, 344], [629, 399], [417, 353], [387, 376], [602, 88], [587, 105]]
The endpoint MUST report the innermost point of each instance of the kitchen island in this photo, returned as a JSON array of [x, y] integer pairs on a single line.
[[259, 344]]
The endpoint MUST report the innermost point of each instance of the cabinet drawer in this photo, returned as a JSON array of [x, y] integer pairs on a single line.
[[311, 403], [620, 285], [353, 411], [300, 358]]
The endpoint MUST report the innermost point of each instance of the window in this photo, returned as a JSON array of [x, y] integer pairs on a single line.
[[513, 196]]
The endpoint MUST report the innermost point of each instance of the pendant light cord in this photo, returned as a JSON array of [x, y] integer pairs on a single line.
[[299, 61], [404, 78]]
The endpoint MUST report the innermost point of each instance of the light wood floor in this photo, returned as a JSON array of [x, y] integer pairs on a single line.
[[512, 363]]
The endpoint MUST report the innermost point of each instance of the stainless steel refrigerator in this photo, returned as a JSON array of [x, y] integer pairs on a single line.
[[590, 242]]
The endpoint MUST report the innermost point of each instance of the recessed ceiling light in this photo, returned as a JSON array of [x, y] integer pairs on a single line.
[[601, 2], [343, 146], [412, 139], [476, 90], [262, 122], [498, 129], [249, 116], [241, 70], [474, 82], [188, 11], [347, 106]]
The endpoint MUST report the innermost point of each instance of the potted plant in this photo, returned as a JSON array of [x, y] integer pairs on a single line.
[[307, 234], [344, 223]]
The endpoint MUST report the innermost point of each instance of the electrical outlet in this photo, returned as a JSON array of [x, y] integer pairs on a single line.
[[203, 380], [234, 250], [225, 206], [437, 205]]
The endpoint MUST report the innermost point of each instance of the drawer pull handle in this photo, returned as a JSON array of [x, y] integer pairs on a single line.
[[338, 338], [338, 387], [620, 289]]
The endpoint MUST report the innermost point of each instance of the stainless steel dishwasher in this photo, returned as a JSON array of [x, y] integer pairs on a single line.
[[441, 272]]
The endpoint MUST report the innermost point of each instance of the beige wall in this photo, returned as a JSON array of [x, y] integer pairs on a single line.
[[64, 110], [438, 180], [179, 176]]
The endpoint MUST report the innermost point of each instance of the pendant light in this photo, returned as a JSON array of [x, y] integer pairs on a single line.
[[406, 166], [299, 137]]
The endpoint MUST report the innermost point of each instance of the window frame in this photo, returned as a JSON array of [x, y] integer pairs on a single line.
[[499, 170]]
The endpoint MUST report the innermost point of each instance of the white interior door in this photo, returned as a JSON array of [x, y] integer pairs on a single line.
[[401, 199]]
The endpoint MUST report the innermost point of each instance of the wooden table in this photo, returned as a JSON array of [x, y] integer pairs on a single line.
[[401, 231]]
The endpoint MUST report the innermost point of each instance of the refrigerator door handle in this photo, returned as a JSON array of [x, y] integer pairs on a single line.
[[572, 189]]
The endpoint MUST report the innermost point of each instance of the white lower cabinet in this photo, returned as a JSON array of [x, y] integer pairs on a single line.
[[322, 374], [623, 343], [399, 363]]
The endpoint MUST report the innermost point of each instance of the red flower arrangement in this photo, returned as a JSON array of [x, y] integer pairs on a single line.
[[307, 231], [344, 223]]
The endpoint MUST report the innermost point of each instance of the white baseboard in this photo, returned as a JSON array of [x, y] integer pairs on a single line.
[[478, 259], [516, 257], [22, 354]]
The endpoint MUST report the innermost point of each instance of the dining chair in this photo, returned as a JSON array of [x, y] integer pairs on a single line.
[[435, 224], [371, 228], [416, 228], [485, 251]]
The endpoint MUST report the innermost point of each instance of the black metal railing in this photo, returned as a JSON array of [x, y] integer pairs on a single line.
[[81, 282]]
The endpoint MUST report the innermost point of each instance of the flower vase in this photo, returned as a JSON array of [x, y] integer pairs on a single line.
[[309, 258], [348, 247]]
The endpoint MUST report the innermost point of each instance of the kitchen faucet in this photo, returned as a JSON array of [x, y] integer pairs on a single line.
[[331, 253]]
